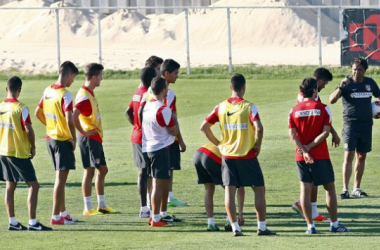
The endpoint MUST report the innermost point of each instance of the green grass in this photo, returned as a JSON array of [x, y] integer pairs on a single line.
[[195, 99]]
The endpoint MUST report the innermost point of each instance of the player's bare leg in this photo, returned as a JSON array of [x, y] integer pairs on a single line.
[[88, 176], [359, 168], [209, 199], [34, 187], [59, 191], [305, 201], [9, 198], [229, 202], [347, 168], [331, 201], [142, 186], [100, 179], [260, 203]]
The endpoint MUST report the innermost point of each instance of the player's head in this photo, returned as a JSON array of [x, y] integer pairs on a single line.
[[308, 87], [323, 76], [169, 70], [14, 85], [359, 66], [67, 72], [154, 62], [93, 72], [237, 82], [360, 61], [158, 85], [146, 75]]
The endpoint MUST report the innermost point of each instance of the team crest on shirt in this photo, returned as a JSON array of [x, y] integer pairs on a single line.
[[368, 87], [97, 161]]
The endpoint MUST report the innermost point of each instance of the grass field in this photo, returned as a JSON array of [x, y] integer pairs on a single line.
[[195, 99]]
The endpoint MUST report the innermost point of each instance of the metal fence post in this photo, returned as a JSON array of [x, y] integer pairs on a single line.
[[58, 39], [99, 38], [187, 41], [229, 40], [319, 38]]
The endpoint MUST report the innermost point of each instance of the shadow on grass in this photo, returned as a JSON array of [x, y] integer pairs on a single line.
[[71, 184]]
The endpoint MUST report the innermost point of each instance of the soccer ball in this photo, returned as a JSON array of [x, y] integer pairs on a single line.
[[375, 109]]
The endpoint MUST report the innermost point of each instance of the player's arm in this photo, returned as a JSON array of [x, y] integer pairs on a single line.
[[299, 146], [320, 138], [335, 140], [182, 144], [31, 138], [258, 136], [129, 114], [334, 97], [70, 123], [174, 130], [39, 113], [240, 197], [79, 127], [206, 129]]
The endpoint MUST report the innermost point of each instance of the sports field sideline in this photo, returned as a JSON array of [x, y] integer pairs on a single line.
[[195, 99]]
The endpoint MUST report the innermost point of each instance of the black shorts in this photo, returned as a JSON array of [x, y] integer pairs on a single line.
[[208, 170], [175, 157], [359, 140], [138, 155], [16, 169], [61, 154], [320, 172], [91, 152], [159, 163], [242, 173]]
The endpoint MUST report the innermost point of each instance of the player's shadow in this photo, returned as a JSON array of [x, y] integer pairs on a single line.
[[72, 184]]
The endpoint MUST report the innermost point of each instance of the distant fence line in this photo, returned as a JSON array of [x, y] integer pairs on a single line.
[[187, 8]]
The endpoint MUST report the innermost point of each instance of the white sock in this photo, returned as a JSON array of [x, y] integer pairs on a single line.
[[299, 202], [334, 224], [164, 213], [156, 218], [262, 225], [235, 226], [102, 201], [148, 200], [144, 209], [344, 190], [32, 222], [151, 214], [13, 221], [314, 210], [87, 203], [227, 219], [170, 196], [64, 213], [309, 226], [211, 221], [56, 217]]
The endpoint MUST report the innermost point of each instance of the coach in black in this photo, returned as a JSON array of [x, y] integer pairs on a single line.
[[356, 93]]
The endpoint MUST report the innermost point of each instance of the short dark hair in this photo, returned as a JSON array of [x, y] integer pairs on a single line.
[[169, 65], [146, 76], [307, 86], [14, 84], [92, 69], [237, 82], [322, 74], [153, 61], [158, 84], [68, 67], [360, 61]]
